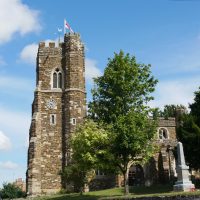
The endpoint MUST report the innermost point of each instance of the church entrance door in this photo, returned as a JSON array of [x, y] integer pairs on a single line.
[[136, 175]]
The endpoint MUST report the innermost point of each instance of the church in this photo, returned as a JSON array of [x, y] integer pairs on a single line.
[[59, 105]]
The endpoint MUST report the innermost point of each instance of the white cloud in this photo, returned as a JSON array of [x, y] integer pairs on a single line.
[[16, 17], [29, 53], [179, 91], [91, 70], [8, 165], [5, 143]]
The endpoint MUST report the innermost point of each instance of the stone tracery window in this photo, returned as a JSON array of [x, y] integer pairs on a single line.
[[57, 78], [163, 134]]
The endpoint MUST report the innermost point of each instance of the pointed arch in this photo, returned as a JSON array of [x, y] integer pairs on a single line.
[[54, 80], [136, 175], [57, 78]]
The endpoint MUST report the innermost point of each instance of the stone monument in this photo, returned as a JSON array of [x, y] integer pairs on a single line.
[[183, 183]]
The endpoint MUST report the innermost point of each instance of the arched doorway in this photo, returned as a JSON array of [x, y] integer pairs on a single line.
[[136, 175]]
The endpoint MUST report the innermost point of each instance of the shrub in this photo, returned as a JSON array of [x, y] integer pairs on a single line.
[[11, 191]]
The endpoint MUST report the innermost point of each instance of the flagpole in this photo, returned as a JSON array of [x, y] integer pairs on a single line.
[[64, 29], [59, 32], [58, 38]]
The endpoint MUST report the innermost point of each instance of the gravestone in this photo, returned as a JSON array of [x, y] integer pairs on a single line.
[[183, 183]]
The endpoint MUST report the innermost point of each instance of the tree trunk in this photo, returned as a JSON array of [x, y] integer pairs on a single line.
[[126, 185], [86, 188]]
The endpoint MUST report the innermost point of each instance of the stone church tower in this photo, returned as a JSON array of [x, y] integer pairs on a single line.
[[59, 105]]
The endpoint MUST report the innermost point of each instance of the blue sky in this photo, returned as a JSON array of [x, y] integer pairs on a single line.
[[163, 33]]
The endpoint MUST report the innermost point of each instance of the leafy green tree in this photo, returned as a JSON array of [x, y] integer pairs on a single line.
[[195, 107], [156, 113], [125, 85], [89, 149], [78, 176], [89, 144], [120, 100], [171, 110], [11, 191], [189, 133], [131, 142]]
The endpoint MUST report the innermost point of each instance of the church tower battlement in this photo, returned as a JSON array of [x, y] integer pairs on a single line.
[[59, 105]]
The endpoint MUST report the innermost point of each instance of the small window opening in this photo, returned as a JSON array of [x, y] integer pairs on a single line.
[[163, 134], [59, 80], [73, 121], [54, 80], [52, 119]]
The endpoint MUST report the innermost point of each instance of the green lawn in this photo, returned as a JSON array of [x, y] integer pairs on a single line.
[[109, 193]]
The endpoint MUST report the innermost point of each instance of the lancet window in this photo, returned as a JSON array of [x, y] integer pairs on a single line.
[[57, 78]]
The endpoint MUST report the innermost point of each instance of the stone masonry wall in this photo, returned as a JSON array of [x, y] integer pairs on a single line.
[[48, 142], [74, 94], [164, 159], [51, 145], [170, 124]]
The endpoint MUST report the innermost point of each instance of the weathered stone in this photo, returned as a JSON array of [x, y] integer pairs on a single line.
[[183, 183], [48, 146]]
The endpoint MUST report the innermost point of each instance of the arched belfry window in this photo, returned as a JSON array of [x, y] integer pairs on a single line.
[[163, 134], [57, 78]]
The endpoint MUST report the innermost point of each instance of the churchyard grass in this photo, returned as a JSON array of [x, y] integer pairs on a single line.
[[118, 192]]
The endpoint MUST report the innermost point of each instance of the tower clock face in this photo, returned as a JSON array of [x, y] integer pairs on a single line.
[[51, 104]]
